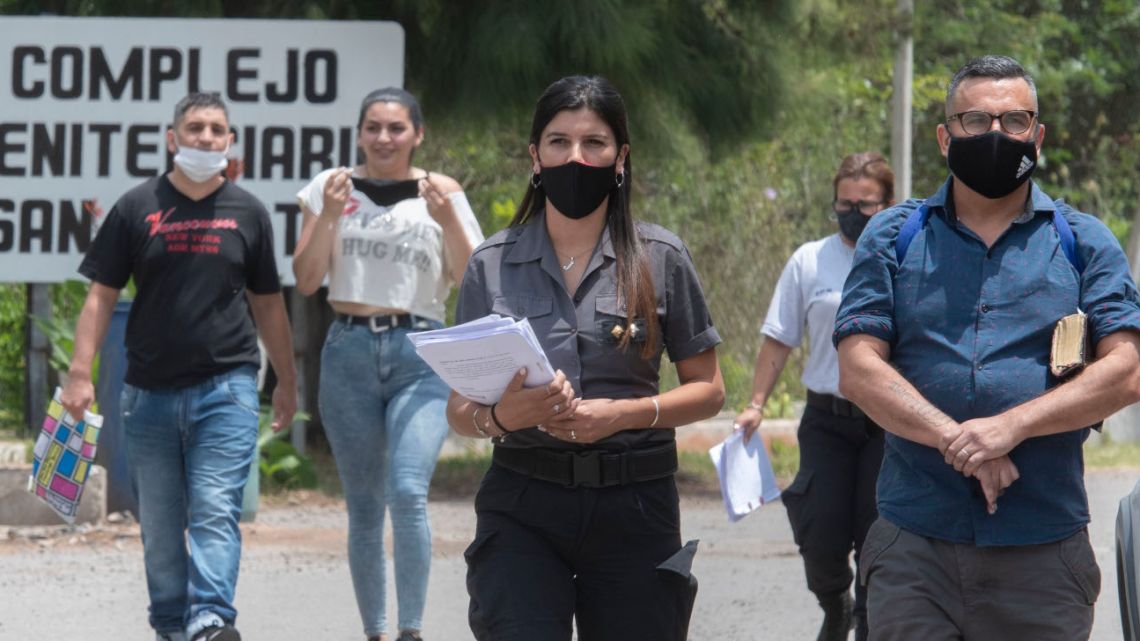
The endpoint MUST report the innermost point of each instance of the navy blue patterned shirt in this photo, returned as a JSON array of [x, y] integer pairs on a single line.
[[971, 329]]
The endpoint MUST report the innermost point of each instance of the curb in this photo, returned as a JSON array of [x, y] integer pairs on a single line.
[[20, 507]]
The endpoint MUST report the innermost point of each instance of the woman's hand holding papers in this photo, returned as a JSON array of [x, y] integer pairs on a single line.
[[520, 407]]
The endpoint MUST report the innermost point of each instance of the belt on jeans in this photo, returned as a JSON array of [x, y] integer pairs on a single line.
[[384, 322], [589, 468], [834, 405]]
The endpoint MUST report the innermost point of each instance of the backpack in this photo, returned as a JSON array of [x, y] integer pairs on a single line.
[[916, 220]]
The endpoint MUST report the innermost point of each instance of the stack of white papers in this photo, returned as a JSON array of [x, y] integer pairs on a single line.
[[745, 473], [478, 358]]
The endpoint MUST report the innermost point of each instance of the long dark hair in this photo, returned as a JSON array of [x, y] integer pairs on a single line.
[[634, 280]]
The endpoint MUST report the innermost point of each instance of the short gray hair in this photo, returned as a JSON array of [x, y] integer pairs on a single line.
[[198, 100], [990, 66]]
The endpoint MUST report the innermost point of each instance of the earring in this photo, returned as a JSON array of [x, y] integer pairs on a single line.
[[619, 180], [535, 180]]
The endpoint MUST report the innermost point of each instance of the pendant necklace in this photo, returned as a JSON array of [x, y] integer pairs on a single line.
[[568, 265]]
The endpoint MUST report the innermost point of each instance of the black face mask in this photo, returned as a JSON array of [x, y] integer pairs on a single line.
[[386, 192], [576, 190], [992, 164], [852, 223]]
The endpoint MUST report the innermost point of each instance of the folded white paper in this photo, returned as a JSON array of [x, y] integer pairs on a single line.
[[746, 477], [478, 358]]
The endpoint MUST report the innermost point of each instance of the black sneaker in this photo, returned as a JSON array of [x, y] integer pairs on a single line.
[[225, 632]]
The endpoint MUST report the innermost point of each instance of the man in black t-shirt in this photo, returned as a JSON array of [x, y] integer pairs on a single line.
[[200, 251]]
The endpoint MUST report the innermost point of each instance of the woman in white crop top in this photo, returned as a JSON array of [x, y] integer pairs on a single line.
[[392, 239]]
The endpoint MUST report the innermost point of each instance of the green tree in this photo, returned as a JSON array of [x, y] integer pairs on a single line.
[[740, 110]]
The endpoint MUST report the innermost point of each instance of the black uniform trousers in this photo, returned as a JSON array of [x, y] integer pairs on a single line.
[[545, 555], [831, 502]]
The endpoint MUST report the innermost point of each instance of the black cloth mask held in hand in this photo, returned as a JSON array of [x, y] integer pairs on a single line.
[[992, 164], [575, 189], [386, 192]]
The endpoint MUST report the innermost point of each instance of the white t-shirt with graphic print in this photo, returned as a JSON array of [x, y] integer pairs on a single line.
[[390, 256], [808, 295]]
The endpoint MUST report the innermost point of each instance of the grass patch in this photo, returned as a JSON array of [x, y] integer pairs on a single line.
[[324, 464], [459, 476], [1108, 454], [11, 425]]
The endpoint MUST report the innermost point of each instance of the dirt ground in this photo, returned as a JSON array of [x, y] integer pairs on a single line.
[[87, 583]]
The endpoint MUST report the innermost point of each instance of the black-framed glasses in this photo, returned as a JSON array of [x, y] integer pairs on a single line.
[[1013, 122], [864, 206]]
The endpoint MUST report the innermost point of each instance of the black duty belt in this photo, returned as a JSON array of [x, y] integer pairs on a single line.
[[834, 405], [384, 322], [589, 468]]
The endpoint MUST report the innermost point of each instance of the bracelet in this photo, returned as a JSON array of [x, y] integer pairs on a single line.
[[753, 406], [475, 422], [656, 411], [487, 428], [499, 425]]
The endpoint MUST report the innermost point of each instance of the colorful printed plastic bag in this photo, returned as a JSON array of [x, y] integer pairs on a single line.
[[64, 454]]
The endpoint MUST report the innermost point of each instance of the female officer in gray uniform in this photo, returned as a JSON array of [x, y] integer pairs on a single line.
[[578, 516]]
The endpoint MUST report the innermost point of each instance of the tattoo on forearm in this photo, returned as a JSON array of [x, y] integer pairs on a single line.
[[929, 414]]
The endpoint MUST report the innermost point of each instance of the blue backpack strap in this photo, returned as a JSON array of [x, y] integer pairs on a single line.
[[910, 228], [917, 219], [1068, 241]]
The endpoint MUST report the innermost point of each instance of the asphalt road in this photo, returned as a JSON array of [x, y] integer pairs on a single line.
[[88, 584]]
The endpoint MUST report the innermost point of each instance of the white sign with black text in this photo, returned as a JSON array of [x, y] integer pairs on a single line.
[[85, 104]]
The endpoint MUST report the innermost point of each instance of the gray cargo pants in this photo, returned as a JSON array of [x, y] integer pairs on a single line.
[[922, 588]]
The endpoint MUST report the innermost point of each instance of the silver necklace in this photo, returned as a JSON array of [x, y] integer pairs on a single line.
[[568, 265]]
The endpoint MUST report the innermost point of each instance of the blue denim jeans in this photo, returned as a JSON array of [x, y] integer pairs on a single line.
[[383, 413], [189, 451]]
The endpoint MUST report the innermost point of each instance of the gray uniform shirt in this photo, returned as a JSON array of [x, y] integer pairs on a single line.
[[516, 273]]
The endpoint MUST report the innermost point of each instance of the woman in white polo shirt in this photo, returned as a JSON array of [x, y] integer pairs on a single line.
[[392, 239], [831, 502]]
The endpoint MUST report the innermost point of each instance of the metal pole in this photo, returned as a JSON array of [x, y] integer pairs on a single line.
[[36, 358], [901, 102]]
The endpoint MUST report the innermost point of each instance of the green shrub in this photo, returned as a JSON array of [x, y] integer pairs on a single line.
[[281, 466]]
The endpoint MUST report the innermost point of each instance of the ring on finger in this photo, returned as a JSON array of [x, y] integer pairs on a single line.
[[557, 408], [573, 436]]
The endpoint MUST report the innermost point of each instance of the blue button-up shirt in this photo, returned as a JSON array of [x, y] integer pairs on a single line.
[[971, 328]]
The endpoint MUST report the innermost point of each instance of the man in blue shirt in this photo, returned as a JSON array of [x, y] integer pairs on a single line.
[[944, 338]]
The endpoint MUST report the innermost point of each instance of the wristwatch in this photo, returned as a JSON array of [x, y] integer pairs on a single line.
[[753, 406]]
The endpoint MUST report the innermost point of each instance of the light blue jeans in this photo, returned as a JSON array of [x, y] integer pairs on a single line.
[[383, 412], [189, 452]]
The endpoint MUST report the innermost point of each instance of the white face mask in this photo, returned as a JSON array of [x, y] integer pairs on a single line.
[[199, 165]]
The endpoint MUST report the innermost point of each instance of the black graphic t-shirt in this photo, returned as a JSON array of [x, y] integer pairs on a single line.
[[192, 262]]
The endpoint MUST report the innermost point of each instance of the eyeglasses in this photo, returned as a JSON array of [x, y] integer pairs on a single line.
[[864, 206], [977, 123]]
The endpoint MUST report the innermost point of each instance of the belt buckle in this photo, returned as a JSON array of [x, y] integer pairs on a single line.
[[586, 470], [376, 327]]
